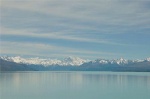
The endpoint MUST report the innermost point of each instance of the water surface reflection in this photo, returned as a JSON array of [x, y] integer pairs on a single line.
[[74, 85]]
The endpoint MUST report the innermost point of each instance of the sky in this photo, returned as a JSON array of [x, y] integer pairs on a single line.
[[80, 28]]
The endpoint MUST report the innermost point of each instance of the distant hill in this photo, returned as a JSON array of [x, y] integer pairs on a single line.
[[72, 64], [12, 66]]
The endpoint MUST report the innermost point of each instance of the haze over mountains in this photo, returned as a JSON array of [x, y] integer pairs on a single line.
[[72, 63]]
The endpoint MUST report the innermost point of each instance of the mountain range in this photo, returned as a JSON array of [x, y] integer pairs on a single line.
[[18, 63]]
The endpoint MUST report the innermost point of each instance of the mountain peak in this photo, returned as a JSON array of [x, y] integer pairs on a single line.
[[69, 61], [148, 59]]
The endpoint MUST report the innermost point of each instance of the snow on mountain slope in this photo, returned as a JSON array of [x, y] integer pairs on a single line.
[[119, 61], [73, 61], [148, 59], [114, 61], [70, 61]]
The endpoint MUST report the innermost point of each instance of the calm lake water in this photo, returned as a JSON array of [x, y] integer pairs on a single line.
[[74, 85]]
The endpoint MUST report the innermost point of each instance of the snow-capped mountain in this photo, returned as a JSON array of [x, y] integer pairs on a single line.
[[148, 59], [70, 61], [73, 61], [120, 61]]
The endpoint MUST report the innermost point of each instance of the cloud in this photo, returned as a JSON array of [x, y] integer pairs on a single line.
[[100, 24], [56, 35], [98, 16], [95, 15], [47, 50]]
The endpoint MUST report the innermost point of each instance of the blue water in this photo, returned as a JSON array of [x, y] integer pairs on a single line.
[[74, 85]]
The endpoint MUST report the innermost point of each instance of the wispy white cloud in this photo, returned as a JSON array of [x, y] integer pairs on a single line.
[[47, 50], [116, 12], [98, 16], [101, 22], [55, 35]]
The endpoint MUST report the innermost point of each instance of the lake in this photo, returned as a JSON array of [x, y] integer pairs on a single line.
[[74, 85]]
